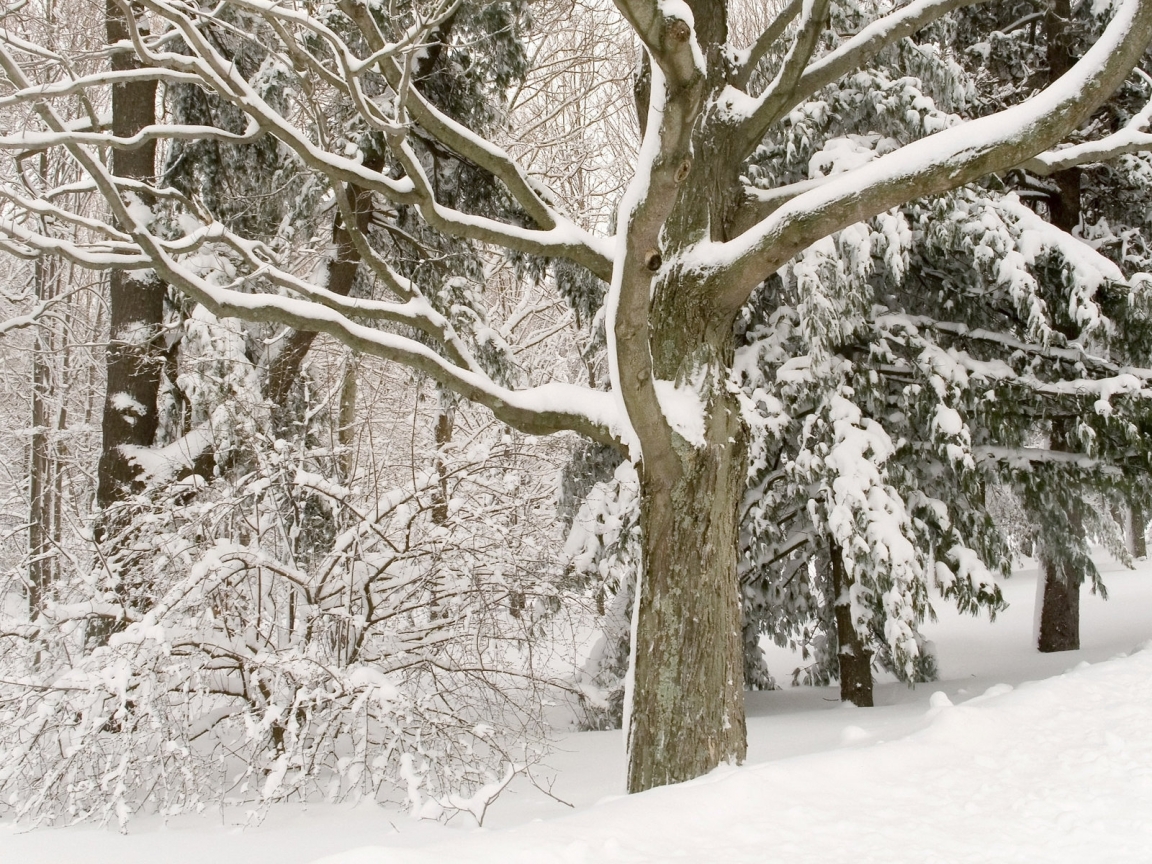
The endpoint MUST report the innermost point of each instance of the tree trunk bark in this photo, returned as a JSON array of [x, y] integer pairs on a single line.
[[855, 660], [345, 433], [445, 419], [40, 484], [687, 709], [1060, 609], [1139, 524], [136, 299], [1059, 626]]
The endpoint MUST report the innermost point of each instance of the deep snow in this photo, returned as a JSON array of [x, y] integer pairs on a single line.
[[979, 766]]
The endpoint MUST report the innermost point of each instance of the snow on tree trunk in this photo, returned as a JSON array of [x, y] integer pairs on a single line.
[[136, 298], [687, 711]]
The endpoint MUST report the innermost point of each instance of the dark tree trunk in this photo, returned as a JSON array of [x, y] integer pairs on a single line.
[[1059, 628], [40, 486], [284, 370], [855, 659], [1060, 609], [1139, 525], [445, 418], [347, 422], [136, 299]]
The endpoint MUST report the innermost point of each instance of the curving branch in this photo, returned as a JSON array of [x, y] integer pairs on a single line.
[[780, 96], [935, 164], [850, 56], [1133, 138], [742, 72]]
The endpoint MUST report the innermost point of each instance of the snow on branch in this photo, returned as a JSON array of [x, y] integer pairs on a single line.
[[934, 164], [667, 29], [778, 99], [748, 60], [1133, 138]]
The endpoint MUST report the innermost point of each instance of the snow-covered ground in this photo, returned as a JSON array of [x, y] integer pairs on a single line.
[[1012, 756]]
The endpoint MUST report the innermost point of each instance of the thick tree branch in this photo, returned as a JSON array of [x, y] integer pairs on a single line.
[[667, 31], [852, 55], [778, 97], [935, 164]]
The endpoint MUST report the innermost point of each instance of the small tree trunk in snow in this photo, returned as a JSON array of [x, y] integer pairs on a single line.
[[1059, 628], [1139, 522], [855, 660], [1060, 612], [445, 417], [40, 486], [346, 431]]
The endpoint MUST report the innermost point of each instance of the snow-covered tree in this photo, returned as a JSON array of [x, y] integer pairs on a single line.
[[836, 381], [694, 241]]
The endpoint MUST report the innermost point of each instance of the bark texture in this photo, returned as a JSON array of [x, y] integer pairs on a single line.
[[855, 659], [135, 299], [688, 705], [1060, 612], [1139, 526]]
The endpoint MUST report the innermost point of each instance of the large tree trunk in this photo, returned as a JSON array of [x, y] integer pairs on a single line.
[[855, 659], [136, 299], [687, 709], [687, 713]]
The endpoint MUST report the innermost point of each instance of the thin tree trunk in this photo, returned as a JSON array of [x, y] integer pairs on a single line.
[[345, 433], [40, 485], [855, 660], [284, 370], [1139, 523], [1059, 626], [445, 418]]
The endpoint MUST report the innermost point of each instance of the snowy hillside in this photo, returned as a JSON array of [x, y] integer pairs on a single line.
[[1012, 756]]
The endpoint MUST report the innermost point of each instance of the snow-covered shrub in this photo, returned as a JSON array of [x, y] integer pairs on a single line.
[[222, 667]]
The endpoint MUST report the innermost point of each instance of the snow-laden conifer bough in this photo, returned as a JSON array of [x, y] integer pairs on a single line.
[[693, 241]]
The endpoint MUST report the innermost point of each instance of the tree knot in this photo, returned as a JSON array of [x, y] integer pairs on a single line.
[[678, 30]]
